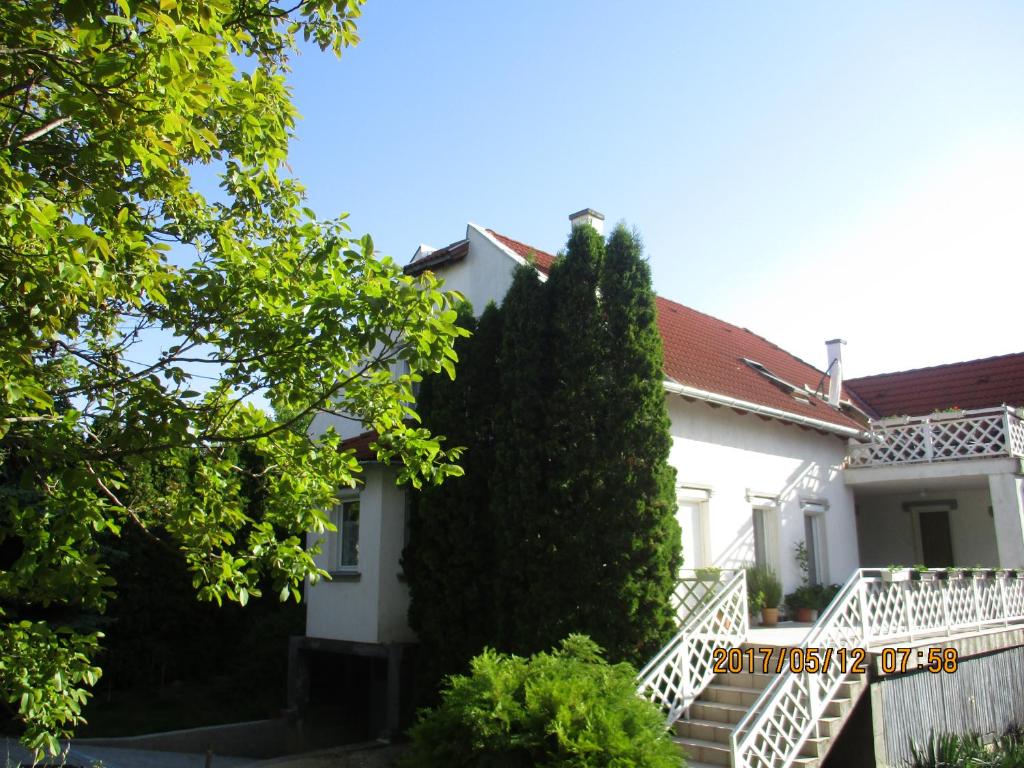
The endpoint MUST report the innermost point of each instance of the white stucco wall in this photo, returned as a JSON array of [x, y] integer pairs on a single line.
[[483, 276], [347, 608], [888, 536], [732, 455]]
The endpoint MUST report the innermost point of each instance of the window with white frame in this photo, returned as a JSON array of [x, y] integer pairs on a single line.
[[343, 552], [814, 539], [692, 515]]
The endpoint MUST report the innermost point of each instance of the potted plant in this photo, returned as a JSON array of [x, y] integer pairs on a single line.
[[802, 604], [710, 573], [896, 573], [923, 573], [772, 589], [764, 593], [825, 594], [755, 602], [977, 572], [954, 573]]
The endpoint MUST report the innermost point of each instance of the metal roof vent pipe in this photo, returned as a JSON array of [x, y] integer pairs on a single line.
[[588, 216], [835, 370]]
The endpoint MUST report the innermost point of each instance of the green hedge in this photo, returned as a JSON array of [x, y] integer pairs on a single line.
[[568, 707]]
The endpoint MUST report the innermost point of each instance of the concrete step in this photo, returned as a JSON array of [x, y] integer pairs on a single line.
[[721, 713], [700, 750], [745, 679], [705, 730], [730, 694], [814, 747]]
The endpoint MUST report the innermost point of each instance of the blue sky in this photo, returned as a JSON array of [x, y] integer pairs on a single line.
[[804, 170]]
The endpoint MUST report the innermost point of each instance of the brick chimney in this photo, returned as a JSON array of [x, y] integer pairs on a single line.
[[588, 216]]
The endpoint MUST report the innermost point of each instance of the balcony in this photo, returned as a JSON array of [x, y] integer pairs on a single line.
[[939, 437]]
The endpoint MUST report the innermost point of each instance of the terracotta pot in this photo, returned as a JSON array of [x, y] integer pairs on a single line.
[[806, 615], [769, 617]]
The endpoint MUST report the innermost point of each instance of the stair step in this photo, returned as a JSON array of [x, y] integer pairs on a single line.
[[715, 710], [757, 680], [701, 750], [814, 747], [730, 694], [705, 730]]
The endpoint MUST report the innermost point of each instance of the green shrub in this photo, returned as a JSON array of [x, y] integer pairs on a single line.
[[764, 581], [568, 707], [948, 750]]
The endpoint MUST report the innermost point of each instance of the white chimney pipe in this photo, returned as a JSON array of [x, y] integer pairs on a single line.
[[588, 216], [834, 349]]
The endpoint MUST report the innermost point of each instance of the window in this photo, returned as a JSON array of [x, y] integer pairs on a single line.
[[814, 539], [760, 538], [344, 548], [692, 516]]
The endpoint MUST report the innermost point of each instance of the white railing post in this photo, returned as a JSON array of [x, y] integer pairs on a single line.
[[978, 615], [907, 590], [944, 594], [1007, 434], [865, 620], [926, 433], [1001, 581]]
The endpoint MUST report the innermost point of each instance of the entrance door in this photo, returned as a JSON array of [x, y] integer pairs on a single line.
[[936, 542]]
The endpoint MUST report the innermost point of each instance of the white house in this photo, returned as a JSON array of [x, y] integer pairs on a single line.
[[770, 452]]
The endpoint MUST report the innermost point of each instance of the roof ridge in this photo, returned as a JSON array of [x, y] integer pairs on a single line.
[[936, 367]]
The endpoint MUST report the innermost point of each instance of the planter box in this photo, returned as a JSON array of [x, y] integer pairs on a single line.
[[925, 575], [900, 574]]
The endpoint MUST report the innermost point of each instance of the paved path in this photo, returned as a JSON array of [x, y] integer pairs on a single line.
[[13, 754]]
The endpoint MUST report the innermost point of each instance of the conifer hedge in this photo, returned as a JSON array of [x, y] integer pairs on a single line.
[[565, 519]]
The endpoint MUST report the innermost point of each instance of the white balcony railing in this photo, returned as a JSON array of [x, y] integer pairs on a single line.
[[869, 612], [984, 433], [713, 615]]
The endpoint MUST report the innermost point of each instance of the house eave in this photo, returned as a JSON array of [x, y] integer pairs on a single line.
[[762, 410]]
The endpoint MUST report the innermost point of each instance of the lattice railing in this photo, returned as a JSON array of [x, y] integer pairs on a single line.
[[869, 611], [984, 433], [715, 617]]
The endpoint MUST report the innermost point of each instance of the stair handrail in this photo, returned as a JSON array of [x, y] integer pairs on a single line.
[[800, 698], [873, 607], [682, 669]]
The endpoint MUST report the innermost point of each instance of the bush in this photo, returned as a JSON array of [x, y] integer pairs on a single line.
[[564, 708]]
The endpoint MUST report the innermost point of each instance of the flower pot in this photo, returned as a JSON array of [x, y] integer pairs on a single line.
[[925, 575], [769, 617], [893, 576], [806, 615]]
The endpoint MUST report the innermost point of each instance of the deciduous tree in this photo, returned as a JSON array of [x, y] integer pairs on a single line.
[[140, 316]]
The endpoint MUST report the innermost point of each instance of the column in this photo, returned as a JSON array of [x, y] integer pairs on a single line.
[[1007, 496]]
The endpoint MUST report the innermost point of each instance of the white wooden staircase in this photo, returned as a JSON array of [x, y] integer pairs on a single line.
[[705, 736], [747, 719]]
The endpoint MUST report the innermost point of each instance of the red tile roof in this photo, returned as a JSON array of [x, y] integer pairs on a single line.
[[541, 259], [361, 445], [707, 353], [986, 383]]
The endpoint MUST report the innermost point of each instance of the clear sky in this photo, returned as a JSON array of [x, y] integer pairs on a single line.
[[802, 169]]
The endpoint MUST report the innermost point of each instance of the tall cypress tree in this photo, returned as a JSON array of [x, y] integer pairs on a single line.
[[569, 525], [519, 485], [642, 537], [447, 562]]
